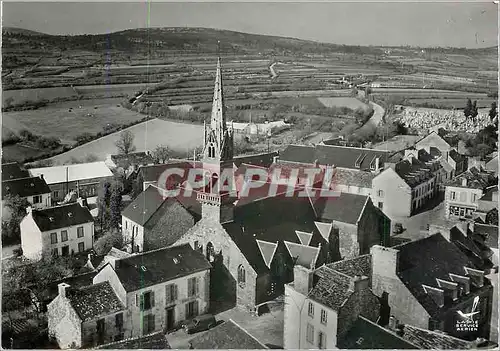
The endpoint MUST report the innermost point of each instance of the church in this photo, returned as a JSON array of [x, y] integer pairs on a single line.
[[253, 243]]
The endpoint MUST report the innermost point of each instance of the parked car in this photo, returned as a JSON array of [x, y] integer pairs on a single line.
[[398, 228], [200, 323]]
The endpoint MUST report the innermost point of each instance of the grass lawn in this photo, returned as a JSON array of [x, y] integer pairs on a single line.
[[348, 102], [23, 95], [180, 137], [19, 152]]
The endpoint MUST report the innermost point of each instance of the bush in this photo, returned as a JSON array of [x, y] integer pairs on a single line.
[[10, 138]]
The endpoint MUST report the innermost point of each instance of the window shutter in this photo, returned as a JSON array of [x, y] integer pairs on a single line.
[[152, 298], [136, 300], [197, 285], [187, 310], [196, 307], [175, 292], [168, 294]]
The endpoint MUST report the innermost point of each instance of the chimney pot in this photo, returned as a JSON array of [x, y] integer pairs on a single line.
[[80, 201], [62, 287]]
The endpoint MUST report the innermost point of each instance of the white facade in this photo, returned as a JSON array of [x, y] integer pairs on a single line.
[[461, 202], [66, 240], [133, 234]]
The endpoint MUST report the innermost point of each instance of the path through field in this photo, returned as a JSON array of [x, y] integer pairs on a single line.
[[180, 137]]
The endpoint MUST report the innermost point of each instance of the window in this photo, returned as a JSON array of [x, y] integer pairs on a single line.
[[463, 196], [55, 194], [64, 235], [192, 287], [81, 247], [241, 275], [126, 224], [119, 321], [65, 250], [310, 334], [321, 340], [55, 252], [79, 232], [170, 293], [474, 197], [323, 317], [100, 326], [192, 309], [452, 195], [198, 247], [380, 193], [310, 310], [147, 300], [148, 324], [380, 205], [37, 199], [53, 238]]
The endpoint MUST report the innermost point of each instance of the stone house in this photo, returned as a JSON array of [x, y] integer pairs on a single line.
[[429, 283], [159, 289], [83, 178], [321, 305], [34, 189], [58, 231], [85, 317], [153, 221]]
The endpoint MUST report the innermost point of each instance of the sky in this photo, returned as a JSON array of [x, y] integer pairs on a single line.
[[454, 24]]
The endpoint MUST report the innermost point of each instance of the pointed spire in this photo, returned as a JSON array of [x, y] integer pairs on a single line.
[[218, 122]]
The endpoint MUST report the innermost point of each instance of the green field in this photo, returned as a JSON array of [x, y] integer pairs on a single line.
[[348, 102], [22, 95]]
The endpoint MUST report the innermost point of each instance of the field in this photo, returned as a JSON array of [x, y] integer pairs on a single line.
[[22, 95], [70, 119], [19, 152], [181, 137], [351, 103]]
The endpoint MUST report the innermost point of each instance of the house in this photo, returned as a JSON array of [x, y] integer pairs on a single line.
[[85, 317], [12, 170], [323, 304], [151, 174], [227, 335], [254, 237], [153, 221], [462, 194], [428, 339], [489, 200], [404, 186], [430, 283], [160, 289], [492, 165], [82, 178], [353, 182], [129, 163], [353, 158], [34, 189], [58, 231], [487, 235], [154, 341]]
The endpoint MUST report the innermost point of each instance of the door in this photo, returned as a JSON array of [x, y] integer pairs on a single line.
[[100, 331], [170, 318]]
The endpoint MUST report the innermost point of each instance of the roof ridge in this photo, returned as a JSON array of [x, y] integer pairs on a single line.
[[156, 250], [57, 206], [12, 180], [387, 331], [131, 339], [351, 147], [253, 337]]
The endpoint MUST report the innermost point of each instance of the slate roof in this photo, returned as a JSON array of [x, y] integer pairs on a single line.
[[154, 341], [365, 334], [413, 171], [306, 256], [422, 261], [355, 178], [13, 170], [158, 266], [360, 265], [455, 156], [489, 234], [76, 281], [24, 187], [338, 156], [488, 194], [261, 160], [144, 206], [94, 301], [71, 173], [228, 335], [135, 158], [475, 179], [113, 253], [61, 216], [345, 208], [152, 173], [475, 251], [426, 339], [332, 288]]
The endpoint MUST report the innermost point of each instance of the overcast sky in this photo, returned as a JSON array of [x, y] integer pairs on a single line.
[[382, 23]]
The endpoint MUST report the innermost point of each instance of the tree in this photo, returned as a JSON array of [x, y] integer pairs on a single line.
[[474, 111], [16, 205], [468, 108], [493, 111], [161, 154], [109, 240], [125, 143], [103, 200], [115, 205]]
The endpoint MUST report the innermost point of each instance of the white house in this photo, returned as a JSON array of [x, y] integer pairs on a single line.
[[34, 189], [58, 231]]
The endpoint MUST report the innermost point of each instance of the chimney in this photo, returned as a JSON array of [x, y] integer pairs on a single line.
[[302, 279], [316, 163], [275, 159], [463, 282], [377, 164], [476, 276], [358, 283], [80, 201], [393, 323], [62, 289], [464, 181], [494, 196], [435, 293], [41, 176]]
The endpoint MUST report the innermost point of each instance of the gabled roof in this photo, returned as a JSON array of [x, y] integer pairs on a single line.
[[426, 339], [475, 251], [114, 253], [304, 255], [13, 170], [152, 173], [76, 281], [346, 208], [350, 177], [94, 301], [488, 193], [433, 139], [488, 233], [134, 158], [360, 265], [332, 288], [261, 160], [61, 216], [154, 341], [71, 173], [158, 266], [24, 187], [475, 179], [228, 335], [413, 171], [144, 206], [298, 153], [305, 238], [364, 334], [267, 251], [424, 260], [455, 156]]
